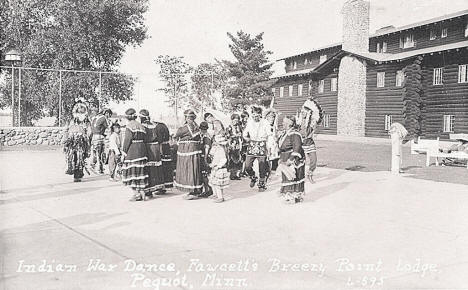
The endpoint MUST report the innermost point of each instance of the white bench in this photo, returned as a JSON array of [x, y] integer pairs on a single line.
[[423, 146], [431, 149]]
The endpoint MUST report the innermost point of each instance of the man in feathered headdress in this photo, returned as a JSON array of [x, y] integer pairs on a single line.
[[309, 117], [76, 141]]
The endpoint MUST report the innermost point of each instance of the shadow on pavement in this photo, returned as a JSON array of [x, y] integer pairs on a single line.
[[51, 194], [321, 192]]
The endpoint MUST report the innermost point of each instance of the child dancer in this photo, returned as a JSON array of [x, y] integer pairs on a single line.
[[219, 178], [114, 151]]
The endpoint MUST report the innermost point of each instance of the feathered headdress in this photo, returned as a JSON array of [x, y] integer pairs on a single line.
[[80, 110]]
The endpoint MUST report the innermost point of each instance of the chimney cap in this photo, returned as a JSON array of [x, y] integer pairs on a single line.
[[386, 29]]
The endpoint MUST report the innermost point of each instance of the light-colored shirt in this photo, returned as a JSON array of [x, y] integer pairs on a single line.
[[115, 142], [257, 131]]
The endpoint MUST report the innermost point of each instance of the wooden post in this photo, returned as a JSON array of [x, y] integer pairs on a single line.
[[12, 96], [19, 97], [60, 99], [100, 90]]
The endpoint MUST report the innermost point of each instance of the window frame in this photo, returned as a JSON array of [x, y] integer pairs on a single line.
[[444, 32], [460, 80], [326, 121], [300, 88], [323, 58], [381, 77], [388, 120], [407, 44], [290, 90], [432, 34], [281, 92], [321, 86], [435, 79], [399, 78], [449, 124], [333, 84]]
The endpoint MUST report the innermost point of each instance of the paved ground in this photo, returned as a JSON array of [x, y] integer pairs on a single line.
[[355, 230]]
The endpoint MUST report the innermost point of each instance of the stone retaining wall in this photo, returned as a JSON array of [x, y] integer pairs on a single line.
[[24, 136]]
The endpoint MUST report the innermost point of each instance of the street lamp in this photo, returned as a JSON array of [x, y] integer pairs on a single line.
[[13, 57]]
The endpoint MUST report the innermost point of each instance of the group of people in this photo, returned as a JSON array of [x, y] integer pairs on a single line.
[[208, 155]]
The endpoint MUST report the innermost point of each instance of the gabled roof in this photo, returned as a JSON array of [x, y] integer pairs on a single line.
[[375, 57], [386, 32], [295, 73]]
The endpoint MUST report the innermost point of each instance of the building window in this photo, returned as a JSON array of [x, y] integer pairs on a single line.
[[273, 91], [438, 76], [326, 121], [382, 47], [444, 33], [399, 78], [388, 122], [407, 41], [281, 92], [299, 89], [290, 91], [323, 58], [466, 30], [294, 64], [380, 79], [306, 61], [448, 123], [432, 35], [334, 84], [462, 73], [321, 86]]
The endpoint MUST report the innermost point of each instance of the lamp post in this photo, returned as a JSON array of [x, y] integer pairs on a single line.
[[13, 57]]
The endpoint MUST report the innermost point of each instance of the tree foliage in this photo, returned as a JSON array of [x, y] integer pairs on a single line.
[[250, 72], [207, 82], [68, 34], [175, 72]]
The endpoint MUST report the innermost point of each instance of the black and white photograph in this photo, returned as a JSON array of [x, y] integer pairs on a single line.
[[234, 144]]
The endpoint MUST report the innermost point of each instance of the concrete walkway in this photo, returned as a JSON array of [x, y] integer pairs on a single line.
[[354, 230]]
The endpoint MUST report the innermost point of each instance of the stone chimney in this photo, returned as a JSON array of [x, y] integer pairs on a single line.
[[353, 71]]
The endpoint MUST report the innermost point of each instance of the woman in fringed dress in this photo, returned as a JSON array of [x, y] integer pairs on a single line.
[[188, 170], [154, 166], [292, 164], [134, 150]]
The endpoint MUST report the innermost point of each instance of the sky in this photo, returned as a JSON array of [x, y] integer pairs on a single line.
[[196, 30]]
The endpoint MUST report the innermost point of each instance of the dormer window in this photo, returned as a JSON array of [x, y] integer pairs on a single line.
[[323, 58], [407, 40], [444, 33], [294, 64], [432, 34], [306, 61], [466, 30]]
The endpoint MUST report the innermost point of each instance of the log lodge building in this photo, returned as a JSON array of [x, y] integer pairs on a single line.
[[416, 75]]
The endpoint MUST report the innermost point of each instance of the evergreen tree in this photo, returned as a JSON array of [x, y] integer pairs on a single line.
[[249, 73]]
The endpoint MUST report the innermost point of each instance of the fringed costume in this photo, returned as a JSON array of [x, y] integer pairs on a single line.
[[310, 116], [76, 142], [154, 166], [234, 133], [166, 156], [188, 173], [133, 169], [292, 166]]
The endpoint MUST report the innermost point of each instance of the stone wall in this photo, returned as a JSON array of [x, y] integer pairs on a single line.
[[30, 136], [351, 109]]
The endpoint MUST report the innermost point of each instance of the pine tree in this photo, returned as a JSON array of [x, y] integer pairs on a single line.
[[250, 72]]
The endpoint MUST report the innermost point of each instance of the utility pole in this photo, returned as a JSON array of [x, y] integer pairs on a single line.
[[12, 95], [19, 97], [60, 99]]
